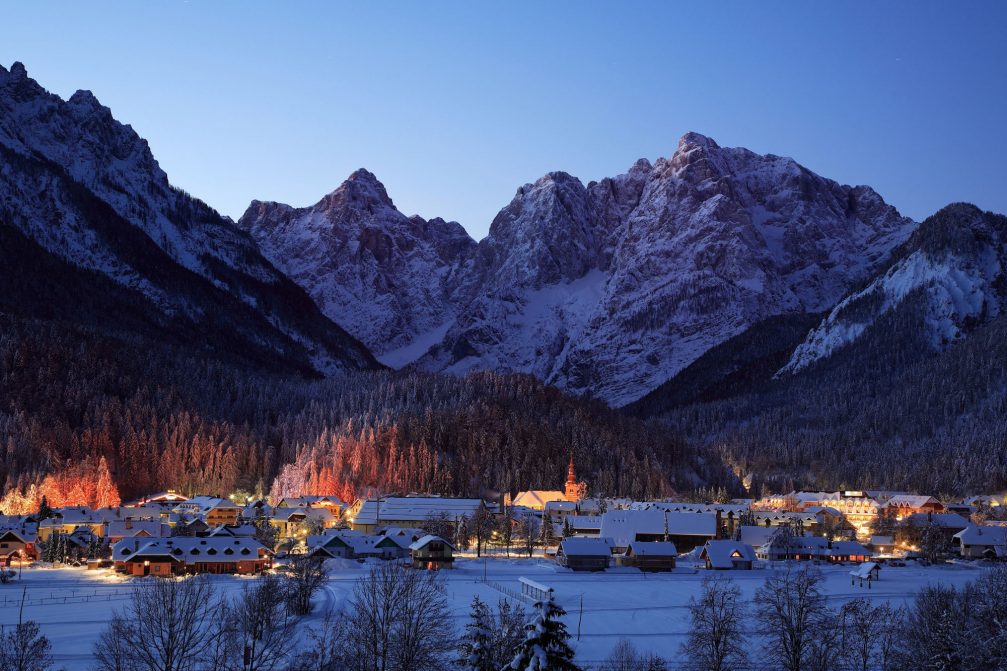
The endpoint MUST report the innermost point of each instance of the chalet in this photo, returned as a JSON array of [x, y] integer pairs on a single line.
[[290, 521], [654, 556], [584, 554], [130, 528], [409, 511], [18, 544], [756, 536], [183, 555], [213, 510], [948, 523], [981, 542], [722, 555], [66, 520], [432, 552], [685, 530], [584, 525], [905, 505], [882, 545], [537, 499], [331, 503], [850, 551], [355, 545]]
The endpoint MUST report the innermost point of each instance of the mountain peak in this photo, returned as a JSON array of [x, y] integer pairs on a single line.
[[18, 72], [693, 140], [84, 97], [361, 187]]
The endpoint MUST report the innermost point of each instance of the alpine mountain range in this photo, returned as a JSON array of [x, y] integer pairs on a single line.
[[709, 277]]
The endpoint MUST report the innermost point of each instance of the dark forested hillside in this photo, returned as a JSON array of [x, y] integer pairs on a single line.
[[889, 412], [164, 416]]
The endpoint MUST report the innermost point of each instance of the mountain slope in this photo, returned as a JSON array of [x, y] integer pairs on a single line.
[[953, 270], [81, 195], [611, 289], [386, 278]]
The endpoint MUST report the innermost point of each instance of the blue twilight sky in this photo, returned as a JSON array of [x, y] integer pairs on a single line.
[[456, 104]]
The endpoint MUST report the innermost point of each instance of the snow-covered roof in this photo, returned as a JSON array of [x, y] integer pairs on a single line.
[[584, 522], [537, 498], [910, 501], [864, 570], [757, 535], [849, 548], [723, 553], [624, 526], [680, 507], [426, 540], [561, 506], [190, 548], [652, 549], [882, 540], [982, 535], [414, 509], [585, 547], [131, 528], [943, 520], [233, 531]]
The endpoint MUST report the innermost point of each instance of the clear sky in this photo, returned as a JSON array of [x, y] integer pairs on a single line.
[[453, 105]]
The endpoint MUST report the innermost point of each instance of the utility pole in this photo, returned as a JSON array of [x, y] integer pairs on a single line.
[[580, 617]]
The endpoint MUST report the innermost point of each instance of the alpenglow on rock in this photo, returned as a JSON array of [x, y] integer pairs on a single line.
[[607, 289]]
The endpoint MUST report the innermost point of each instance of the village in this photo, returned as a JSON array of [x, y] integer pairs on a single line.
[[167, 534]]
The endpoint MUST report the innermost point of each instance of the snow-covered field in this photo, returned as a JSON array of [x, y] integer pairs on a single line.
[[74, 605]]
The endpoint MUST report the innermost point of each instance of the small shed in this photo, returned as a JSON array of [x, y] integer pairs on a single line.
[[866, 573], [725, 555], [432, 553], [584, 554], [650, 556]]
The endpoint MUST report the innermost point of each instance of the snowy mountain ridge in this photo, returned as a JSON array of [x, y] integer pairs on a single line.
[[607, 289], [87, 189], [951, 272]]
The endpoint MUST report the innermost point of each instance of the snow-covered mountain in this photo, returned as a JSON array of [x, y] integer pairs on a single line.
[[607, 289], [388, 279], [948, 278], [82, 193], [613, 288]]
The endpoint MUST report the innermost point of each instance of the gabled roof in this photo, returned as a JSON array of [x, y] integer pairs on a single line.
[[982, 535], [585, 547], [723, 553], [426, 540], [537, 498], [130, 528], [414, 509], [910, 501], [864, 570], [849, 548], [623, 526], [943, 520], [189, 549]]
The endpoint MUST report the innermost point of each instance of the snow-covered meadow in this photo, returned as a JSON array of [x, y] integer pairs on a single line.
[[74, 605]]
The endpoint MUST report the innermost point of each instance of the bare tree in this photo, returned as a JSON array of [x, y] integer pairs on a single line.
[[169, 624], [25, 648], [112, 651], [401, 621], [303, 582], [482, 525], [260, 628], [866, 632], [716, 640], [327, 648], [790, 610]]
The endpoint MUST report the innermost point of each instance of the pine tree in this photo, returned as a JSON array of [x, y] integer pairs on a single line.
[[44, 511], [547, 535], [476, 649], [545, 647], [106, 494]]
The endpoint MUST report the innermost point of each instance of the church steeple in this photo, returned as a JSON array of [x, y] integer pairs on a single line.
[[571, 474], [575, 491]]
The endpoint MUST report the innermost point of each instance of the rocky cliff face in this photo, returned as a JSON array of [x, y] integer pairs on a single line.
[[78, 186], [945, 281], [389, 279], [607, 289]]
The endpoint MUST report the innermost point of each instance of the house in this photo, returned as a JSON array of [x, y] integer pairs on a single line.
[[685, 530], [116, 530], [355, 545], [409, 511], [538, 498], [949, 524], [168, 499], [905, 505], [652, 556], [290, 521], [722, 555], [558, 511], [432, 553], [213, 510], [185, 555], [851, 551], [981, 542], [66, 520], [332, 503], [882, 545], [584, 525], [18, 544], [730, 513], [584, 554]]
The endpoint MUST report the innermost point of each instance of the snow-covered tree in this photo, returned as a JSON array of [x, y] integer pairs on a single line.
[[545, 647], [476, 650]]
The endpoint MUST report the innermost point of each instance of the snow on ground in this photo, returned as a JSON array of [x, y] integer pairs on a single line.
[[74, 605]]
